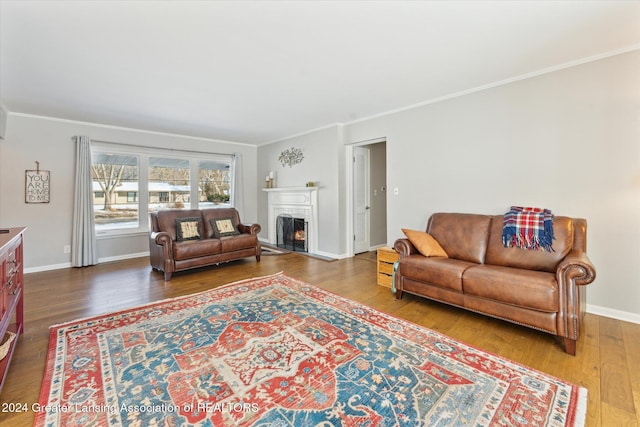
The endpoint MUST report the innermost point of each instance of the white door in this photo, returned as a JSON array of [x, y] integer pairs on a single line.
[[361, 202]]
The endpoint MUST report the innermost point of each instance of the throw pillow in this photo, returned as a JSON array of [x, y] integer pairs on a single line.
[[188, 228], [224, 227], [425, 243]]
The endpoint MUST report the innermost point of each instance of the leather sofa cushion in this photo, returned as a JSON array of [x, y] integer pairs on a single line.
[[238, 242], [195, 248], [442, 272], [462, 236], [541, 260], [523, 288], [167, 219]]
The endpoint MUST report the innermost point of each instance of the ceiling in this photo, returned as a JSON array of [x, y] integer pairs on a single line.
[[258, 71]]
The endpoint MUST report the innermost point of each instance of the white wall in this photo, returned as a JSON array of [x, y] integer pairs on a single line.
[[30, 139], [3, 121], [568, 141]]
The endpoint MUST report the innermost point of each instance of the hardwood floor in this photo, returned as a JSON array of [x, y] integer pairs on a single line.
[[607, 361]]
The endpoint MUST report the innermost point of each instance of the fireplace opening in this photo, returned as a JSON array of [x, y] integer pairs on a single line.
[[291, 233]]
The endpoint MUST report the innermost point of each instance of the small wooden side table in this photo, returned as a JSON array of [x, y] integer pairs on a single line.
[[386, 257]]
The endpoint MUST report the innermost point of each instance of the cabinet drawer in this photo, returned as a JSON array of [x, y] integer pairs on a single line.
[[386, 268], [388, 256], [384, 280]]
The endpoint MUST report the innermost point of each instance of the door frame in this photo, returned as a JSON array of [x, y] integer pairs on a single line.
[[349, 190]]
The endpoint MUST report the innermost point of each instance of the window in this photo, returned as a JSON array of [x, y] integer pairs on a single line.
[[169, 183], [214, 183], [129, 182], [115, 176]]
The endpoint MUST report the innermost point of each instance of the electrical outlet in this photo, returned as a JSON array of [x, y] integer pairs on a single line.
[[66, 249], [396, 191]]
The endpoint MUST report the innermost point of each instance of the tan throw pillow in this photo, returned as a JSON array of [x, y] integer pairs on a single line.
[[224, 227], [188, 228], [425, 243]]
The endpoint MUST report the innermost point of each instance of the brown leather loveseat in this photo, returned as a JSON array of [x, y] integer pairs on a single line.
[[184, 239], [539, 289]]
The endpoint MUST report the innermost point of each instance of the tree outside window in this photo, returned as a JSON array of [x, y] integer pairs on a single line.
[[214, 183], [115, 178]]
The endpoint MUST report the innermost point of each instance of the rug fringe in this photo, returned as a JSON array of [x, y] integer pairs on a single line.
[[581, 409]]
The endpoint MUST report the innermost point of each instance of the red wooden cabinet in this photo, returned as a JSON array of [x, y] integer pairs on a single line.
[[11, 293]]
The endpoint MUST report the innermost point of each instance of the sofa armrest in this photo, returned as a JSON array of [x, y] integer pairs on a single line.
[[573, 271], [161, 238], [404, 247], [250, 228], [577, 268], [161, 251]]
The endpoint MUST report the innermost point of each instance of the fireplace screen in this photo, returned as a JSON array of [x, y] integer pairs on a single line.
[[291, 233]]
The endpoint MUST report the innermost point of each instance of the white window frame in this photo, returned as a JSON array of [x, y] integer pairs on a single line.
[[143, 154]]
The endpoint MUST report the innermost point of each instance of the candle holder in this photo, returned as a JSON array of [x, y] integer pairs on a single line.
[[270, 180]]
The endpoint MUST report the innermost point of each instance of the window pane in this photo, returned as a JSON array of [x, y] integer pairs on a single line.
[[169, 184], [214, 183], [115, 191]]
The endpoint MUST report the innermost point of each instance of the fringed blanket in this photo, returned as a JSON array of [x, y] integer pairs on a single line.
[[528, 228]]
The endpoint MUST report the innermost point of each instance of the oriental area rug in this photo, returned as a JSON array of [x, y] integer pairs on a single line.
[[275, 351]]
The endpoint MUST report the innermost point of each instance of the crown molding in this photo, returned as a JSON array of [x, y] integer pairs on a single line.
[[122, 128], [510, 80]]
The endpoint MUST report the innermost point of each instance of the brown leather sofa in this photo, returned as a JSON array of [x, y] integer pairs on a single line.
[[169, 253], [539, 289]]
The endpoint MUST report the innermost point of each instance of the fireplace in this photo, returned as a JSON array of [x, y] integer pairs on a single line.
[[300, 204], [291, 233]]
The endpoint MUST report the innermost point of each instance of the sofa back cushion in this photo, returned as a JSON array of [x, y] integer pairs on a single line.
[[167, 219], [462, 236], [527, 259], [214, 214]]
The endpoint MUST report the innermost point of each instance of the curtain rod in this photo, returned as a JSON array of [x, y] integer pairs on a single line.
[[75, 138]]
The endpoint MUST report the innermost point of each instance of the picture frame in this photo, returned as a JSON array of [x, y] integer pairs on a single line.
[[37, 186]]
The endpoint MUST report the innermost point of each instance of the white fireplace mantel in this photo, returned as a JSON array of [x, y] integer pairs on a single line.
[[301, 202]]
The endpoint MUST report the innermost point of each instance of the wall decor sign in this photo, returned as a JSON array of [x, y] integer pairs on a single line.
[[291, 157], [37, 186]]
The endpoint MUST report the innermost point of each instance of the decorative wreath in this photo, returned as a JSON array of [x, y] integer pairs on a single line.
[[291, 157]]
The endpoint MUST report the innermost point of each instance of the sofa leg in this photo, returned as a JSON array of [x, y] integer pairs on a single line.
[[258, 258], [398, 294], [167, 276], [569, 346]]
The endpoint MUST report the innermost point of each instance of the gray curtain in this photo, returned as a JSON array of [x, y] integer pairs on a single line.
[[84, 249], [238, 194]]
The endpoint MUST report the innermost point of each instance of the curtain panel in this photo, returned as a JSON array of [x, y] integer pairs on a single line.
[[84, 251], [238, 195]]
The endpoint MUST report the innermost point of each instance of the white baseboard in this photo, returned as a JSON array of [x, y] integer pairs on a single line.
[[331, 255], [123, 257], [614, 314], [50, 267]]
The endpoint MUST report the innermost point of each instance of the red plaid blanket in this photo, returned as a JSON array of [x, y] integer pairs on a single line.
[[528, 228]]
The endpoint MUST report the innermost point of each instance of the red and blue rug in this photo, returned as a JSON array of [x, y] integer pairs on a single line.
[[275, 351]]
